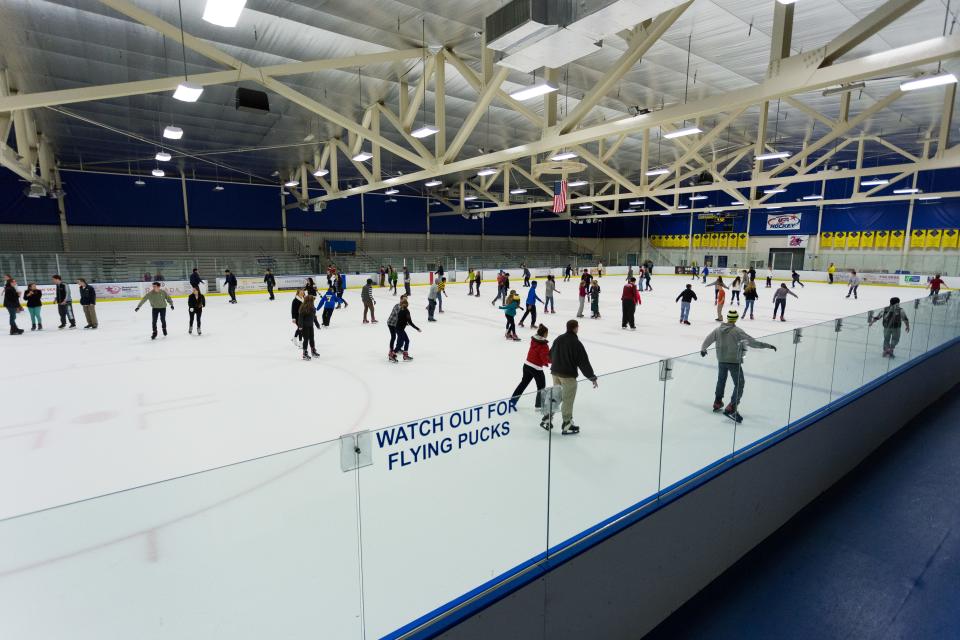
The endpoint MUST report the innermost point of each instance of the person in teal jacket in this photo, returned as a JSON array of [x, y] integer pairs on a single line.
[[531, 310], [329, 301], [510, 311]]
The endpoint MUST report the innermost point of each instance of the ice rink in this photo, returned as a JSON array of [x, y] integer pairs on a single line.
[[100, 411]]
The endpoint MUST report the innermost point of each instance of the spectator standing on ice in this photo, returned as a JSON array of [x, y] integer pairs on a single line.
[[404, 320], [476, 281], [306, 322], [795, 277], [567, 272], [531, 308], [88, 302], [230, 281], [567, 357], [196, 301], [366, 297], [64, 302], [549, 289], [599, 269], [629, 300], [685, 298], [934, 285], [732, 343], [406, 281], [158, 299], [582, 292], [750, 296], [595, 300], [780, 300], [538, 359], [526, 275], [510, 312], [432, 295], [11, 302], [329, 301], [270, 281], [32, 296], [892, 317], [831, 270], [735, 291], [195, 279], [853, 284]]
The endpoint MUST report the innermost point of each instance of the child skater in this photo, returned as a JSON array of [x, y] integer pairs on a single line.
[[538, 359], [780, 300], [531, 310], [328, 302], [769, 277], [595, 300], [685, 297], [510, 312], [295, 315], [549, 289], [735, 291], [892, 317], [796, 279]]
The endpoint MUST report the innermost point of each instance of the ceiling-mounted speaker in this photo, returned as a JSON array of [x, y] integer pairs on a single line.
[[252, 100]]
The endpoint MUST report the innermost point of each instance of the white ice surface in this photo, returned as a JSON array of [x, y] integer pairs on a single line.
[[269, 548]]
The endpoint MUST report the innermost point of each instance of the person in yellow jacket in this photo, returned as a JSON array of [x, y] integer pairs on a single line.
[[832, 269]]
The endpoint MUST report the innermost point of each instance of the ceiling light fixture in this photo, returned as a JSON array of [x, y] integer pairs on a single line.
[[424, 132], [768, 192], [928, 198], [585, 206], [736, 203], [813, 197], [468, 198], [628, 211], [698, 197], [433, 183], [679, 133], [903, 191], [774, 155], [487, 171], [563, 155], [163, 156], [533, 92], [577, 183], [874, 182], [172, 132], [683, 206], [635, 203], [517, 192], [319, 173], [363, 156], [158, 173], [774, 206], [218, 188], [390, 192], [658, 172], [291, 183], [140, 183], [223, 13], [928, 81], [187, 92]]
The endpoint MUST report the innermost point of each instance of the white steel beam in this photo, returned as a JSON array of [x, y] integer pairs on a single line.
[[440, 104], [946, 119], [474, 81], [419, 94], [479, 108], [865, 28]]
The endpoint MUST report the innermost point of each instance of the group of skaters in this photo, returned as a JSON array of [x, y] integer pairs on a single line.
[[62, 297]]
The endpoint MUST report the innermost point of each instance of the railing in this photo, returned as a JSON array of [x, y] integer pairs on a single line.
[[380, 532]]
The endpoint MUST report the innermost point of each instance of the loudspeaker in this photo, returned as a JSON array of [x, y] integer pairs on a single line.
[[252, 100]]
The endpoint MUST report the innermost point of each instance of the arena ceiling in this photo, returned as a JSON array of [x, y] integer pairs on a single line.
[[90, 84]]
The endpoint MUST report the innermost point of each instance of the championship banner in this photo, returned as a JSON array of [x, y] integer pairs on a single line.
[[896, 239], [826, 240], [741, 241], [853, 240], [949, 238], [783, 222], [866, 240], [933, 239], [882, 240]]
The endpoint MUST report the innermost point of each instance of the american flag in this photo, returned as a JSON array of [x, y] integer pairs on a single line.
[[560, 196]]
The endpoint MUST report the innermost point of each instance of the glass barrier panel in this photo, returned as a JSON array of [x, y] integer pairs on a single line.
[[768, 378], [261, 549], [816, 350], [939, 320], [851, 355], [614, 462], [876, 361], [919, 313], [450, 502], [694, 435]]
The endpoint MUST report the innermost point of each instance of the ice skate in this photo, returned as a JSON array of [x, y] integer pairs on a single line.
[[717, 405], [546, 423], [62, 325], [406, 357], [33, 327], [392, 356], [295, 342], [39, 326], [731, 412], [314, 353], [305, 356], [153, 336], [190, 330], [569, 429], [199, 333]]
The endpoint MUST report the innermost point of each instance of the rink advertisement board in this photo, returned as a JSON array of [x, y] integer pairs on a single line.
[[783, 222], [423, 440], [881, 278], [244, 284], [113, 290]]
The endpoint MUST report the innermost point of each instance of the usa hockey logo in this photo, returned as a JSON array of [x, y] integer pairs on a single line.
[[783, 222]]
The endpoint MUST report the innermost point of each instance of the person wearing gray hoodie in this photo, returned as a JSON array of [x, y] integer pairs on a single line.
[[732, 343], [158, 299]]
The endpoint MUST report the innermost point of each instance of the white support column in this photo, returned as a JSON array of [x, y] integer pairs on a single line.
[[62, 213], [186, 208], [904, 253], [946, 119], [440, 104], [374, 147], [283, 215]]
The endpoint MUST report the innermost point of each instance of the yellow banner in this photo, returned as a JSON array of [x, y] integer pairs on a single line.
[[866, 240], [742, 241], [839, 239], [826, 240], [853, 239], [950, 238], [933, 239], [696, 240], [882, 240], [918, 238], [714, 242], [896, 239], [722, 240]]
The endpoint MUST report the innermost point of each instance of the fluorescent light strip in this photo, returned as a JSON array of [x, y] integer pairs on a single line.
[[679, 133], [424, 131], [223, 13], [533, 92], [928, 198], [390, 192], [768, 192], [628, 211], [577, 183], [487, 171], [517, 192], [902, 191], [636, 203], [736, 203], [319, 173], [363, 156], [813, 197], [776, 155], [187, 92], [585, 206], [665, 213], [876, 182], [433, 183], [928, 81], [163, 156], [468, 198], [291, 183], [774, 206], [563, 155], [683, 206], [658, 172], [698, 197]]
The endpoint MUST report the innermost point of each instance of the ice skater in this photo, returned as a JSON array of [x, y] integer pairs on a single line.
[[599, 269], [595, 300], [470, 281], [549, 289], [403, 340], [329, 301], [934, 285], [432, 296], [732, 343], [582, 292], [11, 302], [750, 296], [338, 285], [685, 298], [306, 322], [441, 293], [629, 300], [366, 297], [510, 311], [831, 271], [393, 280], [158, 299], [531, 308], [64, 302], [647, 273], [892, 317], [501, 289], [538, 359], [88, 302], [704, 274], [477, 277], [195, 279], [629, 272], [32, 296], [769, 278], [567, 356], [567, 272], [780, 300], [392, 326], [270, 281], [309, 288], [853, 284], [795, 279], [526, 275], [230, 281], [718, 286], [735, 291], [406, 281], [196, 301]]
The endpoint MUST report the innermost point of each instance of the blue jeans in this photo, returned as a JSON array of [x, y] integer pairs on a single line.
[[748, 306], [684, 311], [403, 340], [431, 307], [13, 316], [548, 304], [736, 374]]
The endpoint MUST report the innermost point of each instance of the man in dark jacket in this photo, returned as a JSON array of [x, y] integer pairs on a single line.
[[11, 302], [64, 303], [270, 281], [567, 356], [88, 302], [231, 282], [195, 279]]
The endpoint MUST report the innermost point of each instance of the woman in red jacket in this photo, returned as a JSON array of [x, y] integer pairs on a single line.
[[630, 299], [538, 359]]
